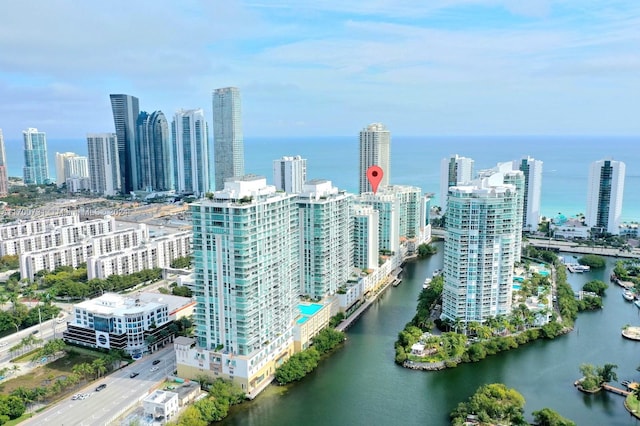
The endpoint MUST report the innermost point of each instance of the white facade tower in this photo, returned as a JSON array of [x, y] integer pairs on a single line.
[[375, 150], [480, 249], [104, 163], [454, 170], [532, 170], [191, 152], [290, 174]]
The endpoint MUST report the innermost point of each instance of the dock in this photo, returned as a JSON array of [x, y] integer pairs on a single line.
[[615, 390]]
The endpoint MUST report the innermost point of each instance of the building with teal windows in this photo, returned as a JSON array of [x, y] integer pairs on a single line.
[[480, 249], [36, 162], [326, 252], [247, 281]]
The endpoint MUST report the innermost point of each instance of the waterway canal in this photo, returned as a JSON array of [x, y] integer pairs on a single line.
[[361, 385]]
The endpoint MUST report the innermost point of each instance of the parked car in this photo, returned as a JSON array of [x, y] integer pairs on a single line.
[[134, 374], [154, 368], [156, 362], [34, 332], [102, 386]]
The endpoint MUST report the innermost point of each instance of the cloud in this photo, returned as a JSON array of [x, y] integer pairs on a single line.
[[326, 66]]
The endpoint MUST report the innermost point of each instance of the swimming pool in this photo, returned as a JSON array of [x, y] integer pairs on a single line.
[[309, 309], [517, 286]]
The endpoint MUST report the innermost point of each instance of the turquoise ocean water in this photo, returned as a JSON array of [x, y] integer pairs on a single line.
[[416, 161]]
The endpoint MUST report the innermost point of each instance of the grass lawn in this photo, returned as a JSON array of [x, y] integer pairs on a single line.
[[633, 404], [41, 376]]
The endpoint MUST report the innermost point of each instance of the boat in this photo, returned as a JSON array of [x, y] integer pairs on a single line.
[[637, 303], [427, 283], [628, 295], [575, 267], [437, 272]]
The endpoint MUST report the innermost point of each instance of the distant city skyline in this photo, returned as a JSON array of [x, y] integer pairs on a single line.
[[458, 67]]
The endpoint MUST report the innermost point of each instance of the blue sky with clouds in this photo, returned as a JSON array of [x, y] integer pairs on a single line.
[[327, 67]]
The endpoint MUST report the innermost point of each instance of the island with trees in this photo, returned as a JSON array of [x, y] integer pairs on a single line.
[[495, 404]]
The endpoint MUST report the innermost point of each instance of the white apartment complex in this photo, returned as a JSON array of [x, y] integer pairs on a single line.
[[103, 163], [532, 170], [247, 280], [326, 256], [157, 252], [455, 170], [49, 233], [480, 249], [365, 237], [74, 254], [290, 174]]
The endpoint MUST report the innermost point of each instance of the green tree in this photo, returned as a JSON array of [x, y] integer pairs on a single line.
[[596, 286], [592, 260], [492, 404], [548, 417]]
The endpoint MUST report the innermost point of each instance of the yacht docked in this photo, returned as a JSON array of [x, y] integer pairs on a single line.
[[628, 295]]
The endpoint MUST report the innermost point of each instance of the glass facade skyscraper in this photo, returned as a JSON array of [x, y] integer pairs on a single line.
[[191, 152], [604, 199], [228, 143], [125, 113], [36, 162], [155, 154]]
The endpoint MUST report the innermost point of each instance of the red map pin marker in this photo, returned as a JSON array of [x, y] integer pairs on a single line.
[[374, 175]]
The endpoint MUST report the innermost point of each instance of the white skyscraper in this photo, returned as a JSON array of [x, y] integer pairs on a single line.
[[365, 237], [104, 163], [191, 152], [228, 142], [326, 258], [480, 249], [454, 170], [532, 170], [604, 198], [246, 250], [290, 174], [70, 165], [4, 182], [375, 150]]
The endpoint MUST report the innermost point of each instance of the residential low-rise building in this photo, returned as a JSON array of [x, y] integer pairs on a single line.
[[49, 236], [161, 405], [313, 318], [158, 252], [76, 254]]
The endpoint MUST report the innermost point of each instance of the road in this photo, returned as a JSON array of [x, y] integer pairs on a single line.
[[574, 247], [48, 330], [121, 393]]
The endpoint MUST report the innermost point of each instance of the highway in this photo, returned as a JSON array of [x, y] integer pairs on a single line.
[[46, 331], [121, 393]]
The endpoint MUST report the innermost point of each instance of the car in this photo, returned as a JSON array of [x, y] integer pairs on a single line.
[[134, 374], [3, 344], [34, 332], [76, 396], [102, 386], [154, 368], [156, 362]]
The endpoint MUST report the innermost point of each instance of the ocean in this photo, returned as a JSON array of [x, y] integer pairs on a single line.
[[416, 161]]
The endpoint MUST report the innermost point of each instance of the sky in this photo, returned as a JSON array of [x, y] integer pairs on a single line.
[[327, 67]]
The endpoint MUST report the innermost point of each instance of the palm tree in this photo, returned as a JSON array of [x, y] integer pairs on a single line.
[[607, 374], [99, 366]]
